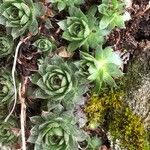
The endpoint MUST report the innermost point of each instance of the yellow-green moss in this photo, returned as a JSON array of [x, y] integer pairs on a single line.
[[128, 128], [95, 111], [121, 122], [97, 106]]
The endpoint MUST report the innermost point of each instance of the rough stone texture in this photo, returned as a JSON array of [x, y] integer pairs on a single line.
[[138, 85], [137, 88], [115, 144], [141, 101]]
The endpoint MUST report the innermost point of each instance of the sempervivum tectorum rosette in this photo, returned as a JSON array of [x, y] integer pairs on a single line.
[[20, 15], [6, 87], [7, 136], [62, 4], [6, 45], [81, 30], [57, 81], [112, 14], [44, 45], [52, 132], [103, 68]]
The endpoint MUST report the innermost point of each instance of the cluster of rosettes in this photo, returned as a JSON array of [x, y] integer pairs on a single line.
[[61, 82]]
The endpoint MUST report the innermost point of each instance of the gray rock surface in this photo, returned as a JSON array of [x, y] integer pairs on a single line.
[[137, 88], [138, 85]]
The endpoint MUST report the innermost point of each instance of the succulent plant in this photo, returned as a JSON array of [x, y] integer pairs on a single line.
[[6, 45], [104, 67], [52, 132], [94, 143], [43, 44], [62, 4], [7, 137], [57, 80], [6, 87], [81, 30], [20, 16], [112, 12]]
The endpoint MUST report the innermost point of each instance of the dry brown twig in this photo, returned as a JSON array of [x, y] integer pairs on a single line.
[[22, 91]]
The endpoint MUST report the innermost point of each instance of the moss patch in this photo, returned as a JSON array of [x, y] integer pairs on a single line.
[[110, 112]]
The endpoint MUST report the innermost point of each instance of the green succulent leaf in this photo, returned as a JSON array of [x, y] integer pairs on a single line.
[[104, 67], [39, 9], [44, 44], [19, 16], [6, 45], [94, 143], [112, 14], [81, 30], [53, 132], [6, 87], [62, 4]]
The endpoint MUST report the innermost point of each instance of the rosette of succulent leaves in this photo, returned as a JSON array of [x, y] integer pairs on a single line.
[[103, 68], [45, 45], [57, 81], [62, 4], [6, 85], [20, 16], [112, 14], [6, 45], [82, 30], [8, 135], [59, 131]]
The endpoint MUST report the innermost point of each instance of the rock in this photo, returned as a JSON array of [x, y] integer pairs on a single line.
[[138, 85]]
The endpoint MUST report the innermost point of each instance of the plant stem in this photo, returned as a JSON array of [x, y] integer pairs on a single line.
[[14, 80], [22, 91], [13, 76]]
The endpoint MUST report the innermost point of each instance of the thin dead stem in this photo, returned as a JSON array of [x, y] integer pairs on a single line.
[[13, 77], [14, 80], [22, 91]]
